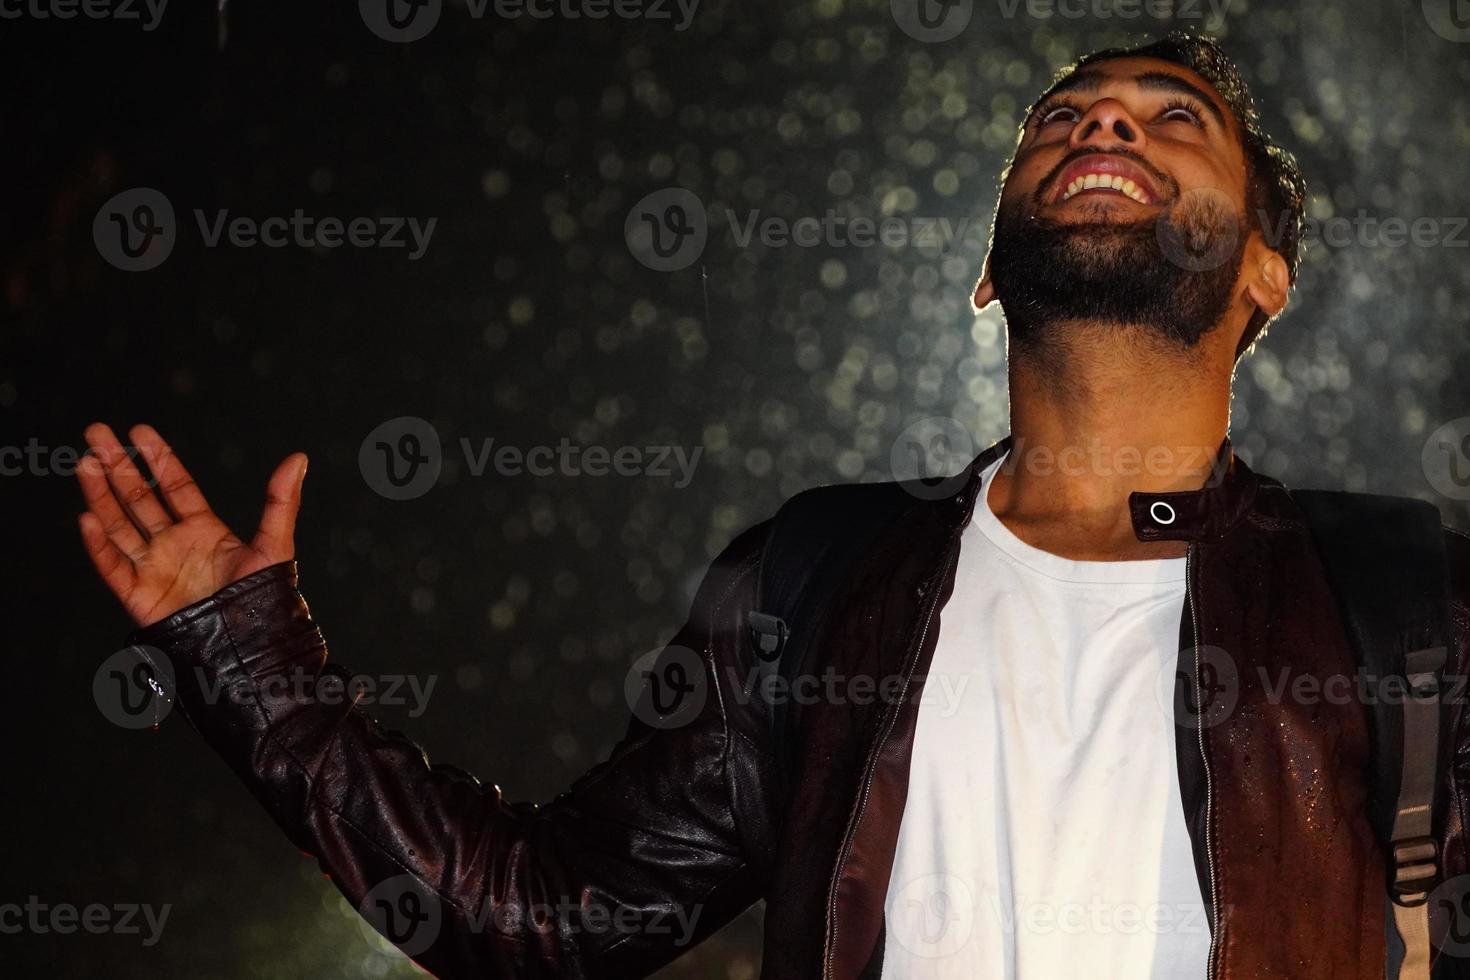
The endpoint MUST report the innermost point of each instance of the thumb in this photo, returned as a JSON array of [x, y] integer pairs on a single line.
[[282, 501]]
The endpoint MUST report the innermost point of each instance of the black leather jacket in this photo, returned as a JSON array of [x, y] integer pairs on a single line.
[[684, 827]]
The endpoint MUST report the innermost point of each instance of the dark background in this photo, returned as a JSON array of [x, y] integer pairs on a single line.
[[529, 320]]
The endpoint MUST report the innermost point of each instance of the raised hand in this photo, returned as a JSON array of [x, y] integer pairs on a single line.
[[161, 548]]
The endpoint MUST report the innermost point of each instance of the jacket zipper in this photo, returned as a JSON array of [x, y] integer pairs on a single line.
[[871, 767], [1189, 559]]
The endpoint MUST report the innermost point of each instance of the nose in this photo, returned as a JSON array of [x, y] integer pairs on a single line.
[[1107, 123]]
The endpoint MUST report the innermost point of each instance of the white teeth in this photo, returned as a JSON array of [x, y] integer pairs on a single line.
[[1108, 181]]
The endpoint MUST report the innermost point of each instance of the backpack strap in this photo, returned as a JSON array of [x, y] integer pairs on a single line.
[[811, 546], [1386, 564]]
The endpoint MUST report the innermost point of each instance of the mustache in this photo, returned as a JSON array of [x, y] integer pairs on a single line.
[[1046, 183]]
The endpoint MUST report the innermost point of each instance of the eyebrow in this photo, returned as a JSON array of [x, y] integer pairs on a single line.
[[1149, 81]]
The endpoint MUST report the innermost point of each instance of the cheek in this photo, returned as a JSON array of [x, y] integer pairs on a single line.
[[1195, 170], [1027, 172]]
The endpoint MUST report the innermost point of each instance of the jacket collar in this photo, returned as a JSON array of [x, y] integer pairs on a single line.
[[1182, 515]]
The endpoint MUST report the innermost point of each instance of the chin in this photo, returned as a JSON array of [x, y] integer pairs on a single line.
[[1096, 212]]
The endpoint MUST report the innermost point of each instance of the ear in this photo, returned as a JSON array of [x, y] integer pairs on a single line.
[[984, 289], [1267, 281]]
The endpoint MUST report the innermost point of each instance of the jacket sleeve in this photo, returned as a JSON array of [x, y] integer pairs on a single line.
[[1455, 865], [646, 854]]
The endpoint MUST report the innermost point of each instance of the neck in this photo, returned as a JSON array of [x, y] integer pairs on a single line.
[[1115, 410]]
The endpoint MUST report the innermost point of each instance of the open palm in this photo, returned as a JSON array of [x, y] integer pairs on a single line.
[[158, 546]]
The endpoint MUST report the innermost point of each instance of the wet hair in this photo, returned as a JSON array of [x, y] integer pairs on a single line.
[[1275, 189]]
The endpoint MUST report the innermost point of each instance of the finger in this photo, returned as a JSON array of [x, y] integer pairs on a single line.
[[178, 488], [137, 498], [114, 567], [111, 518], [282, 501]]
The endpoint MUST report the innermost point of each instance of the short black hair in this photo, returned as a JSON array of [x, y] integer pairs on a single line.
[[1276, 192]]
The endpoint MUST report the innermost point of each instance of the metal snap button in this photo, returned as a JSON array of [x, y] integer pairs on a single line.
[[1162, 512]]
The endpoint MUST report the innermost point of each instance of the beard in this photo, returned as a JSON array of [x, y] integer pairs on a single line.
[[1170, 277]]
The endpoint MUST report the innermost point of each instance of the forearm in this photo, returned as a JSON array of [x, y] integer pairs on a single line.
[[518, 890]]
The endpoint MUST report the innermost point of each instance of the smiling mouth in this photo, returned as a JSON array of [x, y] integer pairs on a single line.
[[1106, 183]]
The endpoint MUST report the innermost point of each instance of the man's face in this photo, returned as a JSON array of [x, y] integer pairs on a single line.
[[1124, 203]]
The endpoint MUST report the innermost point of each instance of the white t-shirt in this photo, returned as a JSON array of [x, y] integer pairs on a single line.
[[1043, 835]]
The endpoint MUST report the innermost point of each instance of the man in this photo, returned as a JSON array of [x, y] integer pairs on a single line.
[[1051, 814]]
